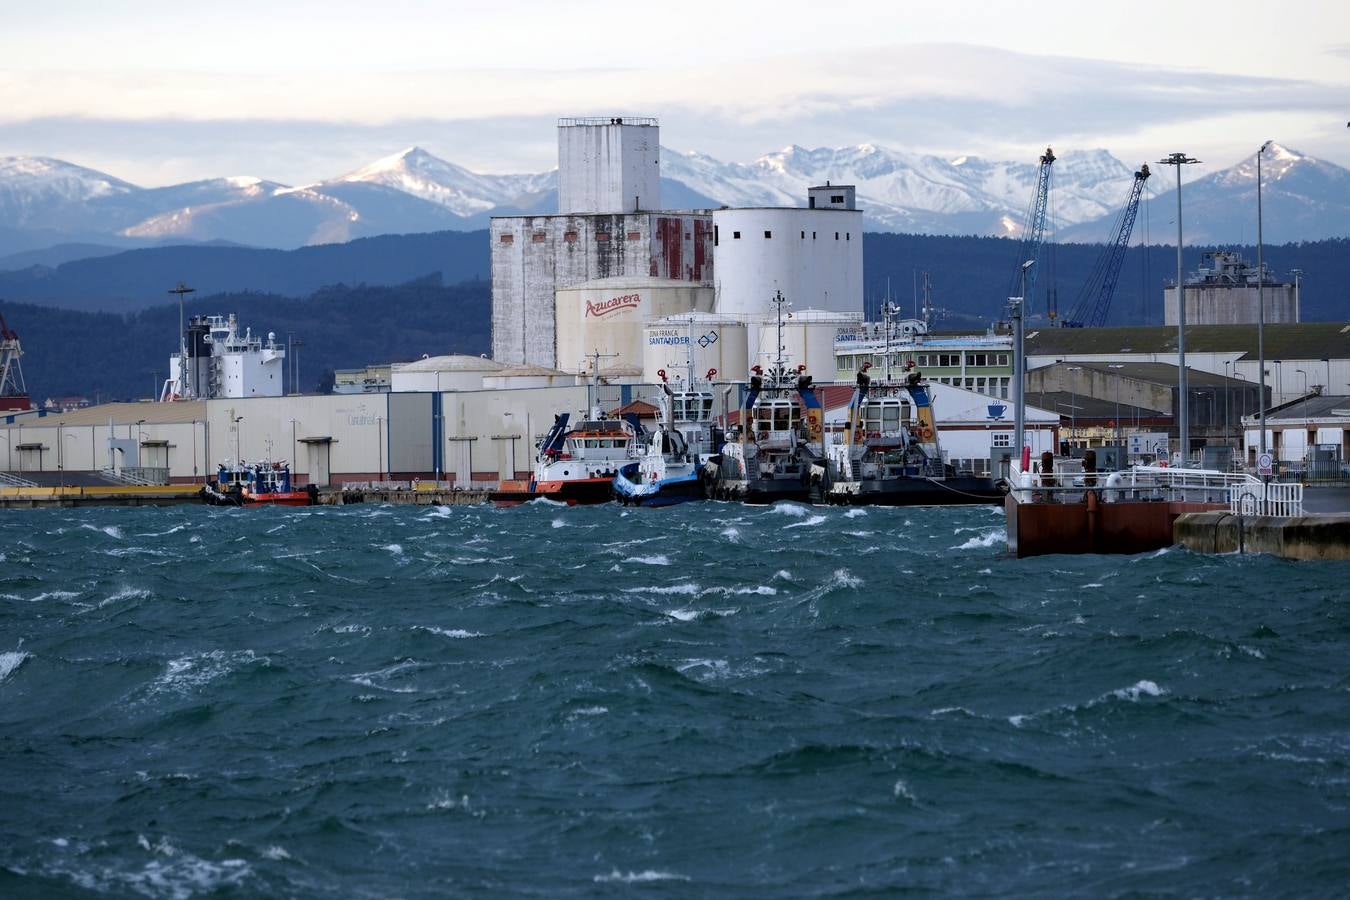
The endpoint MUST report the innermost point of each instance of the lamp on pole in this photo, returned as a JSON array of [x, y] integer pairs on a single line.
[[1261, 295], [1179, 160], [295, 363], [184, 375], [1073, 405], [1015, 308], [1117, 366], [238, 440]]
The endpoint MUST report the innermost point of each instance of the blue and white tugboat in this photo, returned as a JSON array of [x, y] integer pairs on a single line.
[[771, 455], [669, 470], [887, 458]]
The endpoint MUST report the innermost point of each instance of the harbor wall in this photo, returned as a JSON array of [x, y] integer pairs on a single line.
[[1291, 537]]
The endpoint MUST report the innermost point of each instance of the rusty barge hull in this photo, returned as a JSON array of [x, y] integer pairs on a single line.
[[1134, 526]]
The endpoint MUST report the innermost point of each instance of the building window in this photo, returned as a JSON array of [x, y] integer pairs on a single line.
[[803, 235], [602, 235], [836, 235], [570, 237], [716, 235], [735, 235], [836, 198], [1001, 439], [637, 235], [538, 237], [813, 235], [507, 238], [848, 235], [1003, 359], [768, 234]]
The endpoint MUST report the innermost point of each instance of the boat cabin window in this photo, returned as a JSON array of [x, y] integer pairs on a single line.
[[777, 415], [885, 415]]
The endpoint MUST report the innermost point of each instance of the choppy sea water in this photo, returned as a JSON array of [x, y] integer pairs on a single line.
[[711, 700]]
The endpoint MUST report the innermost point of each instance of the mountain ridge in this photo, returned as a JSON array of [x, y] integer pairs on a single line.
[[415, 191]]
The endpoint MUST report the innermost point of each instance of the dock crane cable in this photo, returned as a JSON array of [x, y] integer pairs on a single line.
[[1033, 233], [1094, 299], [1144, 269]]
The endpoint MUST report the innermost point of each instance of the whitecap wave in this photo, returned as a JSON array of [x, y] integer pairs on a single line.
[[658, 559], [988, 539], [11, 661], [639, 877], [809, 523], [789, 509]]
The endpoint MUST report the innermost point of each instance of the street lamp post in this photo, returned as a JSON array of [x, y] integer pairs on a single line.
[[1117, 366], [1016, 306], [1261, 296], [1179, 160], [1073, 407], [238, 440]]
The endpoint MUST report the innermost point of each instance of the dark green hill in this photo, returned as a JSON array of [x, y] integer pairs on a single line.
[[126, 355]]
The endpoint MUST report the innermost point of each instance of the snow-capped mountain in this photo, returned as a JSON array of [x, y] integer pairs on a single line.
[[415, 171], [1303, 199], [912, 192], [45, 201]]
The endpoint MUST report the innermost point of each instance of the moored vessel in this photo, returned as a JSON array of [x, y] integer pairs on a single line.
[[574, 465], [775, 444], [255, 484], [670, 469], [888, 458]]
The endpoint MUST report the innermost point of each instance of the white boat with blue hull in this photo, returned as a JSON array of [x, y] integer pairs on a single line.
[[669, 471]]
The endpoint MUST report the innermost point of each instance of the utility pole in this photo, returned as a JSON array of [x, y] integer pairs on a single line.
[[185, 385], [1015, 309], [1261, 295], [780, 302], [1179, 160]]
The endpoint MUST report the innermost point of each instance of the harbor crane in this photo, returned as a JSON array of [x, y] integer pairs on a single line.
[[1033, 234], [11, 373], [1094, 300]]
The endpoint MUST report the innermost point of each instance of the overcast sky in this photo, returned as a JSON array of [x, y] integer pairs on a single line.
[[159, 92]]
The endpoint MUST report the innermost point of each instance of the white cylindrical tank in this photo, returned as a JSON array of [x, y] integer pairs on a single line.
[[442, 373], [808, 338], [527, 377], [608, 315], [814, 256], [712, 341]]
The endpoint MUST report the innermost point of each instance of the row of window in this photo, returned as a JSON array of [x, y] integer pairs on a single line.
[[570, 237], [768, 235]]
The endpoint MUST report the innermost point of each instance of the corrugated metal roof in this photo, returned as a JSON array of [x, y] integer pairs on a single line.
[[1305, 340], [453, 363], [1328, 407], [1150, 372], [121, 413]]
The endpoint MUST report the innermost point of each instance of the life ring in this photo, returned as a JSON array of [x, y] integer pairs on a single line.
[[925, 432]]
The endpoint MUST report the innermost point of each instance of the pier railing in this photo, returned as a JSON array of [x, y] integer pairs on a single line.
[[1242, 493], [9, 479]]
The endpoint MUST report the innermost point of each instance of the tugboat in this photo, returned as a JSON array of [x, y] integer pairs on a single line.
[[772, 456], [244, 484], [669, 472], [885, 460], [574, 465]]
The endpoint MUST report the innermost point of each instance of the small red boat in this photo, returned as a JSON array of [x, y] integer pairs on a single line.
[[252, 484], [575, 466]]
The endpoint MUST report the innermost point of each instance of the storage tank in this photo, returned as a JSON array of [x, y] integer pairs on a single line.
[[808, 337], [814, 256], [527, 377], [608, 315], [713, 342], [457, 372]]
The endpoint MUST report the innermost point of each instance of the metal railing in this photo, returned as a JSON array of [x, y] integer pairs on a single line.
[[1240, 492], [142, 476], [9, 479]]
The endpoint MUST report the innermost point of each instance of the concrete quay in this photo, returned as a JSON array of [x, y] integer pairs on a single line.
[[1290, 537]]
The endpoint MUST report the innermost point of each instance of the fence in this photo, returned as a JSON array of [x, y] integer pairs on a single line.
[[1242, 493]]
